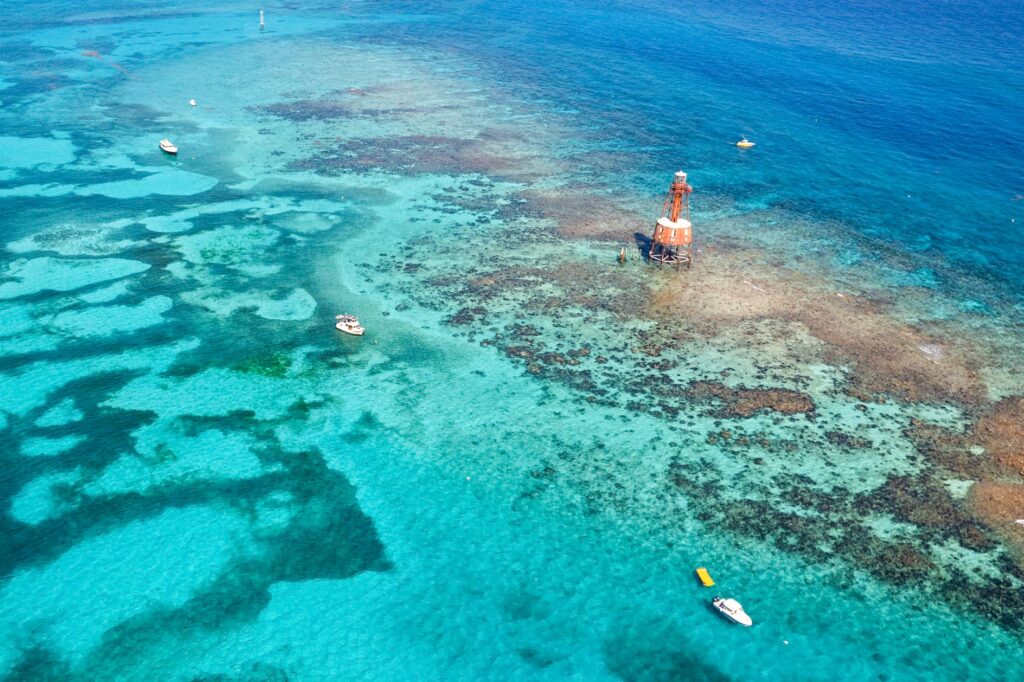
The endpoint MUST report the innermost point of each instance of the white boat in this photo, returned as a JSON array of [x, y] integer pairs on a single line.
[[349, 324], [168, 146], [731, 609], [745, 144]]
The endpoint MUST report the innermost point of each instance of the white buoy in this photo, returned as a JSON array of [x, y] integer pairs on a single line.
[[262, 25], [191, 102]]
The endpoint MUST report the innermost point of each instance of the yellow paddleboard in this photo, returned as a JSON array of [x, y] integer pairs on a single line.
[[705, 577]]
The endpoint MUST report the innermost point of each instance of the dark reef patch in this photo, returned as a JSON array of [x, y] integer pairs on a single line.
[[746, 402], [37, 662], [467, 315], [327, 537], [920, 501], [304, 110], [947, 449], [408, 155], [655, 652]]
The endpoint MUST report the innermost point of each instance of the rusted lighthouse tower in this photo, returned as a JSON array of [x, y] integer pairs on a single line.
[[672, 242]]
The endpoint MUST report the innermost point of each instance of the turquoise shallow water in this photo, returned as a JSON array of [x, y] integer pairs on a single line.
[[515, 472]]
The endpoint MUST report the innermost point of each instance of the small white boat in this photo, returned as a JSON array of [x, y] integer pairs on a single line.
[[168, 146], [745, 144], [349, 324], [731, 609]]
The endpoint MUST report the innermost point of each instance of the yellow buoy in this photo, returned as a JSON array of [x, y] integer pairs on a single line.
[[705, 577]]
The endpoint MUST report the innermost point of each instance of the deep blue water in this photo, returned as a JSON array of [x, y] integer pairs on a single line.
[[901, 122]]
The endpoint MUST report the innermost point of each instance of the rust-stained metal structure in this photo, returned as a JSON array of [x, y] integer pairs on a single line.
[[672, 242]]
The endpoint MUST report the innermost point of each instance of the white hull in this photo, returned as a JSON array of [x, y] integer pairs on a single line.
[[731, 609], [349, 324], [354, 331]]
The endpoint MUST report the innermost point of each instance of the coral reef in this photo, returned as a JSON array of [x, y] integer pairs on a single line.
[[1001, 432], [744, 402]]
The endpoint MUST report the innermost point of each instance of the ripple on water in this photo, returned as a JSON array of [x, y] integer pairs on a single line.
[[28, 388], [106, 294], [60, 274], [295, 305], [165, 454], [264, 206], [103, 581], [109, 320], [35, 152], [42, 498], [15, 319], [42, 446], [162, 182], [60, 414], [213, 392], [27, 344], [71, 239]]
